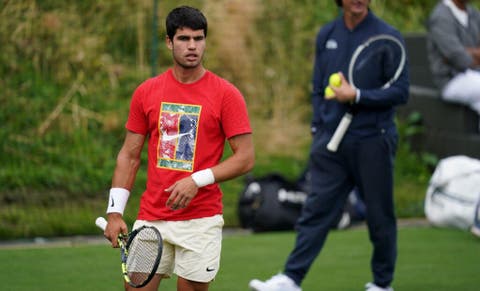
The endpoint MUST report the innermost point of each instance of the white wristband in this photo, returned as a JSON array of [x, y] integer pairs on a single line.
[[203, 177], [117, 200], [358, 95]]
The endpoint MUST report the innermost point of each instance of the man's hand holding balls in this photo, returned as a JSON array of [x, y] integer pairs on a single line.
[[335, 80]]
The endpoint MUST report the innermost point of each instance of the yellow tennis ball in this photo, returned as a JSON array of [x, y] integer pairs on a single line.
[[329, 93], [335, 80]]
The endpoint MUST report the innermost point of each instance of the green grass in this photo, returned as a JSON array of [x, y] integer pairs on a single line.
[[429, 259]]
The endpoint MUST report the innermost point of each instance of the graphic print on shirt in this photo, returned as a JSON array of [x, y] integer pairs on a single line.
[[177, 126]]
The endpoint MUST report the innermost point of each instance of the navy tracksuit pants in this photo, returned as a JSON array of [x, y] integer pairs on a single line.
[[365, 163]]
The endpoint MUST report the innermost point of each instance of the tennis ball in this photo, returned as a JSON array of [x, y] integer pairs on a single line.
[[329, 94], [335, 80]]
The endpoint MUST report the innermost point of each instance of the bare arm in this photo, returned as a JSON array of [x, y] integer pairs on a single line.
[[242, 160], [128, 162], [475, 53], [239, 163]]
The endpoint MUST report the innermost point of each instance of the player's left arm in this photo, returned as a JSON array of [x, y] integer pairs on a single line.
[[240, 162]]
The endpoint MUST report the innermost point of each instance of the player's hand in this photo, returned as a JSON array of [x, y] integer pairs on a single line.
[[345, 92], [181, 193], [115, 226]]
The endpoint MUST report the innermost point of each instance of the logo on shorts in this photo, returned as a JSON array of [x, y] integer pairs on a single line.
[[210, 269]]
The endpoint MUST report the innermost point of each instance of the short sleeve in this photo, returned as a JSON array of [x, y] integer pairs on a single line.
[[235, 119], [137, 119]]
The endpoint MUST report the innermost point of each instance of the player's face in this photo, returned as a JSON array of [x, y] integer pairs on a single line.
[[187, 47], [356, 7]]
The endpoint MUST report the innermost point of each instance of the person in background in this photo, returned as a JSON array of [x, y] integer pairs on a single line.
[[365, 157], [453, 44], [186, 114]]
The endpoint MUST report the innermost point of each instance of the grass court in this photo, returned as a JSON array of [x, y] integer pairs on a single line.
[[429, 259]]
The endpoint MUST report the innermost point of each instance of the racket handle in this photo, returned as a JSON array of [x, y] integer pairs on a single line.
[[101, 222], [339, 132]]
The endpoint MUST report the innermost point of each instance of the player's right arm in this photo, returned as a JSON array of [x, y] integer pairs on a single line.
[[345, 93], [128, 162]]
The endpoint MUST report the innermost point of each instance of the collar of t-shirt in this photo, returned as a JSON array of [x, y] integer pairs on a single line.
[[459, 14]]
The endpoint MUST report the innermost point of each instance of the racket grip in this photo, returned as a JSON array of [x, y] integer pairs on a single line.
[[339, 132], [101, 222]]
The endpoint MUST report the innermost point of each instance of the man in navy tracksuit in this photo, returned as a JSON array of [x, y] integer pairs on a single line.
[[365, 157]]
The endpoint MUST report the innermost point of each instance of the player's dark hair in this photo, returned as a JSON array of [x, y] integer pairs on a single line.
[[185, 16], [339, 3]]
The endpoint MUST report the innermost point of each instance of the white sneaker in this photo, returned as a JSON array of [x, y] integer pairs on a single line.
[[372, 287], [278, 282]]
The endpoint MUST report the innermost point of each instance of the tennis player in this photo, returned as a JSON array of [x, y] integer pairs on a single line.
[[365, 157], [185, 114]]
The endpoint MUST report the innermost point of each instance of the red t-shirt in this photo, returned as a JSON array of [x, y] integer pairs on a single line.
[[186, 125]]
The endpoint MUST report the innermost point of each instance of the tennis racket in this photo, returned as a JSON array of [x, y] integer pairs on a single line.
[[381, 57], [140, 251]]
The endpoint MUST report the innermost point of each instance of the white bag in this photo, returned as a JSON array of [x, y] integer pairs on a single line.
[[453, 192]]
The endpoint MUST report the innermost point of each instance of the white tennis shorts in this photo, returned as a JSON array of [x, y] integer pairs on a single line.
[[191, 248]]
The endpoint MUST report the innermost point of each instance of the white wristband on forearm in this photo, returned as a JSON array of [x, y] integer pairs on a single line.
[[117, 200], [203, 178]]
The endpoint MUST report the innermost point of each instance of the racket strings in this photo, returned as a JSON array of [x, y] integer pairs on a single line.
[[376, 64], [143, 253]]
